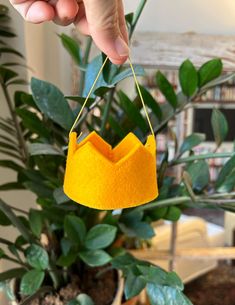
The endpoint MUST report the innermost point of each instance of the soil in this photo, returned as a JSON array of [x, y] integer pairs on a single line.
[[215, 288], [101, 289]]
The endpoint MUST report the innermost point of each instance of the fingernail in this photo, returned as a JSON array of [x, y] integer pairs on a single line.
[[121, 47]]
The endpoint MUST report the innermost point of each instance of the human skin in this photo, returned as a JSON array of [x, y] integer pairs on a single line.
[[103, 20]]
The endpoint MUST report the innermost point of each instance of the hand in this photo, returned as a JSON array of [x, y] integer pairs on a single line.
[[102, 19]]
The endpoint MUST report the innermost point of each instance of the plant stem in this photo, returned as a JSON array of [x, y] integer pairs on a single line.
[[106, 111], [202, 157], [21, 141], [162, 203], [137, 16], [11, 259], [18, 210], [84, 63], [174, 226]]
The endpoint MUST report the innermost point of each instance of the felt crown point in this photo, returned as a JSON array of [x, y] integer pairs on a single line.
[[103, 178]]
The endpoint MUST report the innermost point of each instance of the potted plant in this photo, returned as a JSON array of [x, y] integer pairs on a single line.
[[68, 253]]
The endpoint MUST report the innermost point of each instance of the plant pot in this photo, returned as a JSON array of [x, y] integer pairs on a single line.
[[116, 301]]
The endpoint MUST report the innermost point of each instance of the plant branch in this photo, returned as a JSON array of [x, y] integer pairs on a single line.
[[20, 137], [106, 111], [136, 17], [15, 220], [84, 63], [202, 157]]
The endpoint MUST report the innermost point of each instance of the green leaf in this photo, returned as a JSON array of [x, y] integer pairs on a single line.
[[188, 78], [12, 273], [75, 229], [35, 222], [36, 149], [132, 111], [139, 71], [4, 220], [165, 295], [173, 214], [84, 299], [37, 257], [73, 48], [116, 127], [67, 260], [11, 164], [8, 50], [50, 100], [151, 102], [31, 282], [134, 284], [32, 122], [199, 173], [100, 236], [95, 258], [166, 89], [138, 229], [60, 196], [11, 186], [6, 74], [225, 171], [192, 141], [209, 71], [219, 126], [229, 183]]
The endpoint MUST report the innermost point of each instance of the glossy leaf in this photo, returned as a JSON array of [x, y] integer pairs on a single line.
[[166, 89], [95, 258], [75, 229], [151, 102], [134, 284], [35, 222], [72, 46], [50, 100], [219, 126], [192, 141], [199, 173], [188, 78], [165, 295], [67, 260], [225, 171], [37, 257], [44, 149], [209, 71], [100, 236], [229, 184], [31, 282], [132, 111]]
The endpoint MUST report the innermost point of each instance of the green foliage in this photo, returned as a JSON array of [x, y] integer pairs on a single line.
[[63, 238]]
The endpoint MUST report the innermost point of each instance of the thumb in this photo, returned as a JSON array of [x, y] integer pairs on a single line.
[[103, 21]]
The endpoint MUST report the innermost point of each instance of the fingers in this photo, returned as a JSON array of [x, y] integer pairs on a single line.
[[65, 11], [103, 22], [34, 11]]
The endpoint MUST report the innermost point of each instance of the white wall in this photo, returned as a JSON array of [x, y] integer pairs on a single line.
[[203, 16]]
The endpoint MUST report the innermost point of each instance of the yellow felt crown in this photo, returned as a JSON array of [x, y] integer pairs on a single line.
[[100, 177]]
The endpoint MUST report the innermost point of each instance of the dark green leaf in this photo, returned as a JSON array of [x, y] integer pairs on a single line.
[[192, 141], [31, 282], [10, 50], [199, 173], [166, 89], [132, 111], [219, 126], [209, 71], [173, 214], [67, 260], [75, 229], [95, 258], [225, 171], [116, 127], [32, 122], [72, 46], [139, 229], [4, 220], [6, 74], [229, 183], [44, 149], [188, 78], [11, 186], [134, 284], [81, 100], [100, 236], [37, 257], [50, 100], [12, 273], [35, 222], [10, 164], [151, 102]]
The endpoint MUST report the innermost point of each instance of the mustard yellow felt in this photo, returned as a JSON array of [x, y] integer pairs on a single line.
[[103, 178]]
